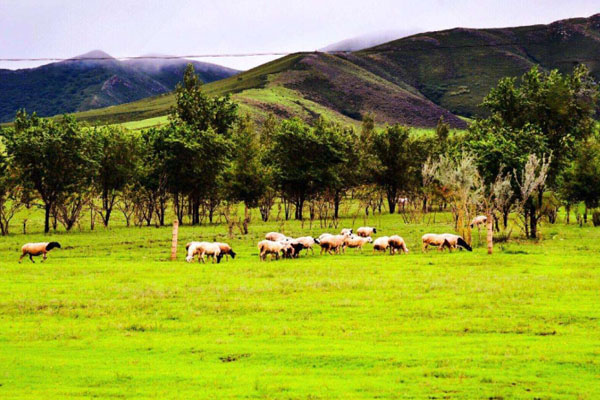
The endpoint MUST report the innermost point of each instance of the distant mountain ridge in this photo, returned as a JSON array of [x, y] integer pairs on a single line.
[[94, 80], [413, 80]]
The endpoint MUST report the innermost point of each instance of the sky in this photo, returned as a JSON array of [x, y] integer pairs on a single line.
[[122, 28]]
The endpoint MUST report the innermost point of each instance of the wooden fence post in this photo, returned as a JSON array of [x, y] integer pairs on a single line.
[[174, 240]]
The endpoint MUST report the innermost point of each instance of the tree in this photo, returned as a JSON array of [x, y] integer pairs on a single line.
[[547, 113], [303, 161], [580, 181], [244, 179], [54, 157], [531, 180], [461, 186], [200, 112], [10, 194], [394, 166], [199, 144], [347, 174], [118, 153]]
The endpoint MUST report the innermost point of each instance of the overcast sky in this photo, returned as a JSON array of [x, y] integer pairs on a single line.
[[66, 28]]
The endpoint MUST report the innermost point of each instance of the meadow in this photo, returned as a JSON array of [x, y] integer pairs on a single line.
[[109, 316]]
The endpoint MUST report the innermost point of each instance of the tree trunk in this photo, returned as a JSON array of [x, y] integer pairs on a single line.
[[48, 207], [490, 233], [568, 211], [532, 221], [336, 204], [391, 198], [299, 207]]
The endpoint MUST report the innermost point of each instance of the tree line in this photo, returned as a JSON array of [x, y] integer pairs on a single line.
[[536, 150]]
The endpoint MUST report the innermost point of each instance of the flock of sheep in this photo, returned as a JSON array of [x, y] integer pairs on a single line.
[[277, 244]]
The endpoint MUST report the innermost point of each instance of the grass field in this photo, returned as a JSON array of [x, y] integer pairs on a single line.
[[108, 316]]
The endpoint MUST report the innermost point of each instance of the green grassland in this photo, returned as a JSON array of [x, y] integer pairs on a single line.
[[108, 316]]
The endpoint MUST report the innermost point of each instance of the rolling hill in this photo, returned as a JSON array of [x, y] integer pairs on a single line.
[[86, 82], [412, 80]]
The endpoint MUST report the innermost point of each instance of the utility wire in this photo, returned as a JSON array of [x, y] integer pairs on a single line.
[[377, 49]]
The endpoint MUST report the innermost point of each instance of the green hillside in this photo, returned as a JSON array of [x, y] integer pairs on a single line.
[[413, 80], [91, 81], [457, 67]]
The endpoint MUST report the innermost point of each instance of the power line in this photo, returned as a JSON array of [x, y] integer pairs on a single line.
[[334, 52]]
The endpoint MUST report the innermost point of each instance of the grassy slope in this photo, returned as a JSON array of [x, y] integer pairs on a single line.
[[454, 69], [304, 85], [107, 316]]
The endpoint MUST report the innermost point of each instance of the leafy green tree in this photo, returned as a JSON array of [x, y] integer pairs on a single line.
[[54, 157], [244, 178], [347, 173], [199, 145], [303, 160], [10, 194], [580, 181], [547, 113], [118, 156], [199, 111], [395, 168]]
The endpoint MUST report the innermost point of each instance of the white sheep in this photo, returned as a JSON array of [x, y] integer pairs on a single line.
[[478, 220], [397, 244], [308, 242], [36, 249], [366, 231], [202, 249], [275, 236], [357, 242], [324, 235], [443, 240], [346, 231], [381, 244], [333, 243], [226, 250], [272, 247]]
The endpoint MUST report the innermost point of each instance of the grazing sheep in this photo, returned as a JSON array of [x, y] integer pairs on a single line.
[[346, 231], [324, 235], [308, 242], [366, 231], [272, 247], [226, 250], [36, 249], [397, 244], [201, 249], [478, 220], [333, 243], [381, 244], [456, 241], [453, 241], [297, 247], [357, 242], [275, 236]]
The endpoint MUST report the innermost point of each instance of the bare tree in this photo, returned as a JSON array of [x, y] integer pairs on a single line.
[[531, 187], [461, 186]]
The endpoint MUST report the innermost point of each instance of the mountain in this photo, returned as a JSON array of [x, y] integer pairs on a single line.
[[93, 80], [413, 80], [456, 68], [368, 40]]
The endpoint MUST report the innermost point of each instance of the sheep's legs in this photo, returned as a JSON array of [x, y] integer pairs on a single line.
[[21, 258]]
